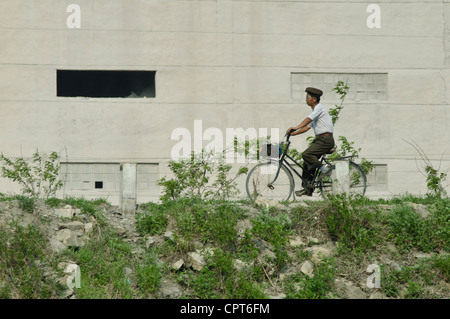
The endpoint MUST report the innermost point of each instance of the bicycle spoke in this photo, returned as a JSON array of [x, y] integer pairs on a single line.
[[356, 183], [261, 184]]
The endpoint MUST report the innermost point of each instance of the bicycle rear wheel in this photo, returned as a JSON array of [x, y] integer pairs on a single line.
[[259, 179], [355, 183]]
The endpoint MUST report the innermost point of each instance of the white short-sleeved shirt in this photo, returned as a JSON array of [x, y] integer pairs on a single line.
[[321, 120]]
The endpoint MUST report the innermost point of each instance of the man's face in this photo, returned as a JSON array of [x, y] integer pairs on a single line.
[[310, 100]]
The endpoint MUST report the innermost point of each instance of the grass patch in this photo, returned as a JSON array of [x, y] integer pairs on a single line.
[[22, 255], [320, 286], [352, 225]]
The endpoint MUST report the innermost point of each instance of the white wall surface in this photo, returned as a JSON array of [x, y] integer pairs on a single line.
[[228, 63]]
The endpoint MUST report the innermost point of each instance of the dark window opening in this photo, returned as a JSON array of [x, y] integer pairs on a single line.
[[98, 185], [112, 84]]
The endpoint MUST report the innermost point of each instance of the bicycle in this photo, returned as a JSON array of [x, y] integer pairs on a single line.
[[273, 179]]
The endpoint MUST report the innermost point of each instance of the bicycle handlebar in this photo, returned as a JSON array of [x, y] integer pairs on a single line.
[[288, 134]]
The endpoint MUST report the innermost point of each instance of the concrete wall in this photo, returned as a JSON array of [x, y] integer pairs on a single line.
[[228, 63]]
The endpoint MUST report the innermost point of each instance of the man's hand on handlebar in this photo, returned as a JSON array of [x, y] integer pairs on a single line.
[[290, 130]]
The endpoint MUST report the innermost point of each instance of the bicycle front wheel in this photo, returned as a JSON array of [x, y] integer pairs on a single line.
[[260, 182], [354, 183]]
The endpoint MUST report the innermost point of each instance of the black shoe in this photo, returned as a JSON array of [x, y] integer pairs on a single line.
[[303, 192]]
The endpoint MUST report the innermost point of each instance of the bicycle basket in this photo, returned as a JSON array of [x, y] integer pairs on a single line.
[[270, 150]]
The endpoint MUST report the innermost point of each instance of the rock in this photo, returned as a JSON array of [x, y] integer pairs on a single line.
[[69, 238], [318, 252], [168, 235], [265, 252], [170, 290], [196, 260], [56, 245], [243, 225], [307, 268], [178, 264], [274, 294], [312, 240], [349, 290], [197, 244], [62, 265], [354, 292], [152, 241], [66, 212], [288, 270], [422, 210], [262, 202], [377, 295], [296, 242], [239, 265], [75, 226], [88, 228]]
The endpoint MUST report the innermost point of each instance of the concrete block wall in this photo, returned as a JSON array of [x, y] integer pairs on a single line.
[[229, 64]]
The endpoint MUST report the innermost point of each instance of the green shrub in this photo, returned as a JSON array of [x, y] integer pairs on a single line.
[[26, 203], [353, 226], [244, 287], [201, 176], [101, 262], [442, 263], [275, 230], [148, 277], [38, 178], [318, 286], [22, 249], [409, 229], [151, 222]]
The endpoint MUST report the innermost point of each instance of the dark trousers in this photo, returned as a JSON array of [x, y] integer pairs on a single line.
[[320, 146]]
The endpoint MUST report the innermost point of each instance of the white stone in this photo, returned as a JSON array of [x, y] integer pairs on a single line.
[[318, 252], [307, 268], [312, 240], [75, 226], [152, 241], [69, 238], [88, 228], [168, 235], [196, 260], [421, 209], [239, 264], [178, 264], [266, 203], [66, 212], [170, 290], [56, 245], [296, 242]]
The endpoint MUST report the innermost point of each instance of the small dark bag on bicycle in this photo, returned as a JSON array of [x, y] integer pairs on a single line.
[[270, 150]]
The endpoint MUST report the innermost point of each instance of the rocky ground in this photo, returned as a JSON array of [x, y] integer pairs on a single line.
[[69, 227]]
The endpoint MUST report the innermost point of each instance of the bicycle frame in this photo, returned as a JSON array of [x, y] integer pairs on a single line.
[[284, 160]]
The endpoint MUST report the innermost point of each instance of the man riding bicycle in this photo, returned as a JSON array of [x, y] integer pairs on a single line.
[[320, 121]]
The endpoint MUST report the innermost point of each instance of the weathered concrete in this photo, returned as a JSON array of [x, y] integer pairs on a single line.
[[128, 188]]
